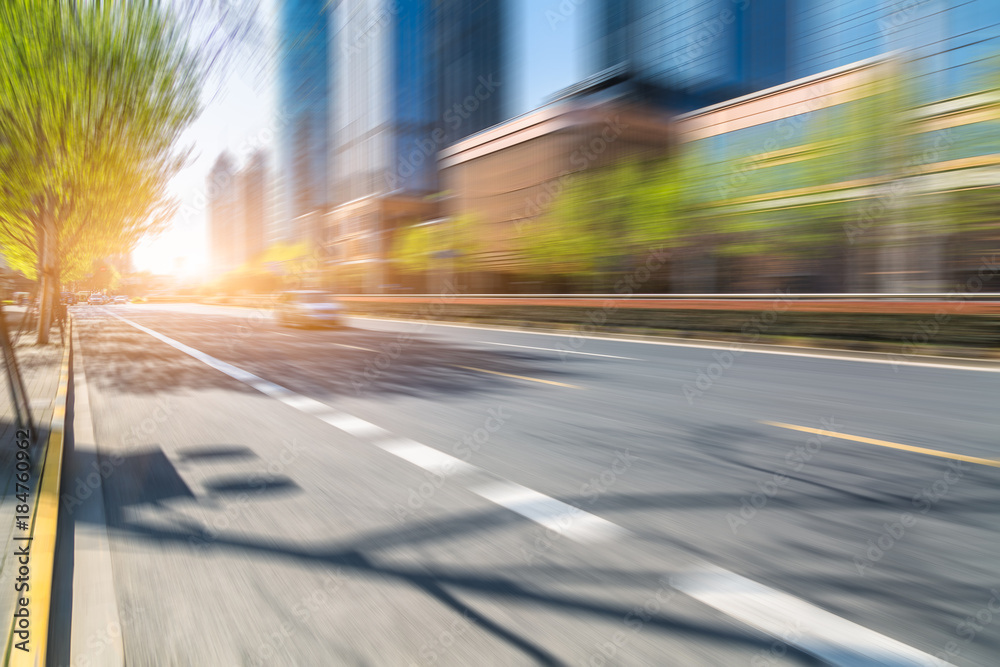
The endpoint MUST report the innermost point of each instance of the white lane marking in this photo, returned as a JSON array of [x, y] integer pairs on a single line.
[[356, 426], [717, 346], [556, 515], [258, 383], [827, 636], [549, 349], [428, 458], [305, 404], [565, 519], [353, 347]]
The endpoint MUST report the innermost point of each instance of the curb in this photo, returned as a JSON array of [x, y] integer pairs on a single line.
[[44, 521]]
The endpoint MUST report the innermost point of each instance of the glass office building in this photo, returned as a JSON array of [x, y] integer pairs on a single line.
[[304, 111], [384, 111], [469, 48]]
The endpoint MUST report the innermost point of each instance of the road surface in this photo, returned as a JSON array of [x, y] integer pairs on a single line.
[[405, 493]]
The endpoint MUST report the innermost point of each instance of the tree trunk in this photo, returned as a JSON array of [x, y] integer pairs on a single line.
[[46, 272]]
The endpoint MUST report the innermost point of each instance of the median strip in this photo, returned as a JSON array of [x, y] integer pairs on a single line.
[[892, 445]]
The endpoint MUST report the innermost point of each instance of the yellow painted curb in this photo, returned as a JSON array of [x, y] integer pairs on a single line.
[[43, 531]]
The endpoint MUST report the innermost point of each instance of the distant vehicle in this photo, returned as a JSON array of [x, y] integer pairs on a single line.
[[309, 307], [68, 298], [95, 300], [120, 299]]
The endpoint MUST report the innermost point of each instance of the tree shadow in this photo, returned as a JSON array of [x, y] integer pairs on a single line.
[[149, 480], [324, 363]]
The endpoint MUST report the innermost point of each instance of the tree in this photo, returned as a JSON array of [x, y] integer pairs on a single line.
[[413, 247], [605, 215], [93, 98]]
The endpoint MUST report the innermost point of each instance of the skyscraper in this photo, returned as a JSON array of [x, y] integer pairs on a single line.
[[469, 45], [304, 109], [254, 192], [224, 212]]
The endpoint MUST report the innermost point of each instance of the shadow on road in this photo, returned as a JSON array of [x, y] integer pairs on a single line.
[[145, 481], [319, 363]]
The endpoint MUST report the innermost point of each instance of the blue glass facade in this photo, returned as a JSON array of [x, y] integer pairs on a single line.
[[469, 48], [304, 108], [384, 112], [708, 51]]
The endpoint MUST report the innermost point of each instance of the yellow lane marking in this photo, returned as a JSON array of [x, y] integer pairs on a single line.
[[520, 377], [885, 443]]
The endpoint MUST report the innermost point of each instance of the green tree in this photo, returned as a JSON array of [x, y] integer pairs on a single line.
[[605, 215], [93, 98], [413, 247]]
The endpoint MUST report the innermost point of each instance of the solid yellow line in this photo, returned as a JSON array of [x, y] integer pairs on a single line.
[[520, 377], [43, 531], [885, 443]]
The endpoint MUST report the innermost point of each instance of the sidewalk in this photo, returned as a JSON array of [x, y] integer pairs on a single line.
[[40, 368]]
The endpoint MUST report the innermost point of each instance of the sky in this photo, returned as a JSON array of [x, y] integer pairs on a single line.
[[548, 52], [238, 116]]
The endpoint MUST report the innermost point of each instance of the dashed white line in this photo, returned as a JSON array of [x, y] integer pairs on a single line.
[[549, 349], [565, 519], [798, 623], [555, 515], [356, 426], [428, 458], [792, 620]]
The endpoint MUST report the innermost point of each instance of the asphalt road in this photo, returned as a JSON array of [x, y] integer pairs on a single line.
[[399, 493]]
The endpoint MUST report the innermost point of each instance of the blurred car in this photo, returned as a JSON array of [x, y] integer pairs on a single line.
[[309, 307], [68, 298], [120, 299], [95, 300]]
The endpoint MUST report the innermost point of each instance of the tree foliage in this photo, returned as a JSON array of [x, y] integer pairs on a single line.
[[94, 96], [604, 215], [420, 248]]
